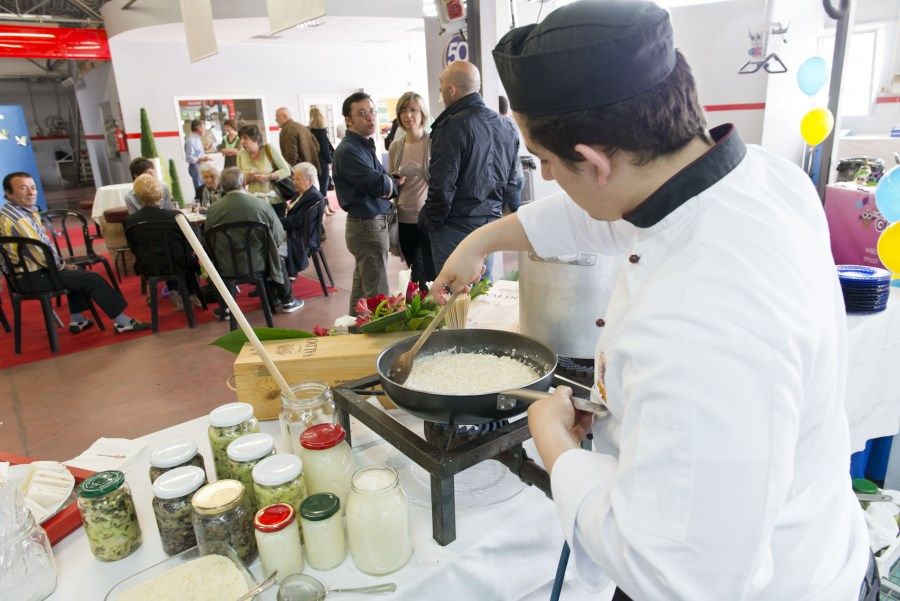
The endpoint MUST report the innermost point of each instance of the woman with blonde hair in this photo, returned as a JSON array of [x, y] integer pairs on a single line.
[[408, 164], [319, 128]]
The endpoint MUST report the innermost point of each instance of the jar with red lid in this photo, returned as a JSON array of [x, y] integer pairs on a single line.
[[278, 540], [327, 461]]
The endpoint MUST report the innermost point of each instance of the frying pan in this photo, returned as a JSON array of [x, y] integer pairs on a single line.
[[473, 408]]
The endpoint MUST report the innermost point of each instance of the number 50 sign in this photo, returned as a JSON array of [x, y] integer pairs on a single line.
[[457, 50]]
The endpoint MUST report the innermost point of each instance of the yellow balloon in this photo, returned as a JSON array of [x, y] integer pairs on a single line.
[[889, 247], [816, 125]]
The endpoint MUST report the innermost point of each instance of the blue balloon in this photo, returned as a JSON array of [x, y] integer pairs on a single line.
[[812, 75], [887, 195]]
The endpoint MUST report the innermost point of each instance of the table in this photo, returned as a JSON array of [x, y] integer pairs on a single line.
[[507, 551], [854, 222], [109, 197]]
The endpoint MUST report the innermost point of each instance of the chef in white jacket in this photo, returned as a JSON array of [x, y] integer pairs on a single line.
[[723, 470]]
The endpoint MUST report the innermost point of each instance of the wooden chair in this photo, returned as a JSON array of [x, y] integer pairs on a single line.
[[58, 222], [23, 284], [162, 254]]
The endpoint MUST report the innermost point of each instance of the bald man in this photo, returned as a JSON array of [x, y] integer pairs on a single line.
[[298, 144], [474, 152]]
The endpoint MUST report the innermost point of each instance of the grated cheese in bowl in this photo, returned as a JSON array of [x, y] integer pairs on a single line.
[[207, 578], [450, 372]]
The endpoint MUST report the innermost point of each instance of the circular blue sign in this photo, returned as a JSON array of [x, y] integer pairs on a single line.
[[457, 49]]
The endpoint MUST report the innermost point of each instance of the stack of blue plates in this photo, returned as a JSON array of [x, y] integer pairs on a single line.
[[866, 289]]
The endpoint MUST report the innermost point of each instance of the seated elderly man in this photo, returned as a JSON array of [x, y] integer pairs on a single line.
[[19, 217], [211, 190], [148, 191], [294, 221], [238, 205], [138, 167]]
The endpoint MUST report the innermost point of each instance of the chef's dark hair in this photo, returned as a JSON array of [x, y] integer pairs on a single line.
[[651, 124]]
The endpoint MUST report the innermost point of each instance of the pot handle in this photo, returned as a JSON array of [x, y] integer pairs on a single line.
[[508, 399]]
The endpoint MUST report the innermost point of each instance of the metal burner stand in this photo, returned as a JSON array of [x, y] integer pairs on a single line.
[[503, 445]]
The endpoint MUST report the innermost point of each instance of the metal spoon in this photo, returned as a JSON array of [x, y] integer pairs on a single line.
[[402, 367], [300, 587], [262, 586]]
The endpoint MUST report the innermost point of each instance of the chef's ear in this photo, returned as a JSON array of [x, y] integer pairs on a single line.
[[599, 161]]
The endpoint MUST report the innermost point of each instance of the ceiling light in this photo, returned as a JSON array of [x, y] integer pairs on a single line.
[[11, 45], [14, 34]]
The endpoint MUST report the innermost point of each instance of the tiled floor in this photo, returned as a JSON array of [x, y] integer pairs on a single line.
[[56, 408]]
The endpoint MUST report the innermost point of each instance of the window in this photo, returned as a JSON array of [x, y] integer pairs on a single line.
[[862, 71]]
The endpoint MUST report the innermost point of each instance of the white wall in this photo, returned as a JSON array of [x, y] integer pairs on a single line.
[[99, 85], [279, 74]]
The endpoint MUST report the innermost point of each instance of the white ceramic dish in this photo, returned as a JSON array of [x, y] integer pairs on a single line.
[[53, 495]]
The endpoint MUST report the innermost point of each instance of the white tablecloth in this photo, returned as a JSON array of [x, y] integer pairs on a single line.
[[109, 197], [507, 551]]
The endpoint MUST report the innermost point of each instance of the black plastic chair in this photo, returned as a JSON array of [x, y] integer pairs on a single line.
[[312, 228], [3, 321], [239, 242], [162, 254], [58, 221], [15, 251]]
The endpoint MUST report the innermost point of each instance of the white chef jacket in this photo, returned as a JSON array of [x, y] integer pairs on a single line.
[[723, 471]]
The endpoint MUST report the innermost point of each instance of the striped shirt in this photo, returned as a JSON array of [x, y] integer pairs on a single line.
[[16, 220]]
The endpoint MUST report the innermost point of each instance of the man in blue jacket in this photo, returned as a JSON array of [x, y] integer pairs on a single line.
[[473, 161], [364, 190]]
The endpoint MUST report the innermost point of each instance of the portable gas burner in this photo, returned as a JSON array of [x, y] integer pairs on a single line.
[[447, 449]]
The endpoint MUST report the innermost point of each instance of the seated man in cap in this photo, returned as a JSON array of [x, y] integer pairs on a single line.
[[19, 217], [474, 154], [720, 471]]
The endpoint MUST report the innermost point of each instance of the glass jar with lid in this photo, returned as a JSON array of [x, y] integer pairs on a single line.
[[278, 540], [323, 528], [172, 493], [313, 404], [378, 521], [175, 453], [110, 520], [226, 423], [222, 513], [279, 479], [243, 455], [327, 460], [28, 568]]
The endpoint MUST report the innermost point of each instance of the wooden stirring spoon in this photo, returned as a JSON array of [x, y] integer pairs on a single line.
[[402, 367]]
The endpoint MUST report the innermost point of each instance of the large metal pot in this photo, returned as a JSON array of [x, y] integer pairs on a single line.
[[561, 299]]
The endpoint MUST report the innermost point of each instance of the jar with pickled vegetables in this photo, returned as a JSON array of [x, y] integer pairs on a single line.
[[226, 423], [222, 513], [172, 493], [110, 520], [279, 479], [173, 454], [243, 455]]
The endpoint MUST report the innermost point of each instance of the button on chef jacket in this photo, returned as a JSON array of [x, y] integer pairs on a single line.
[[722, 472]]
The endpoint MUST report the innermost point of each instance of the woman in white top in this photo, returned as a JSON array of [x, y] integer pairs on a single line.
[[408, 164], [261, 164]]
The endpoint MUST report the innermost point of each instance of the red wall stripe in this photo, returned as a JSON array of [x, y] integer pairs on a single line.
[[156, 134], [746, 106], [887, 100]]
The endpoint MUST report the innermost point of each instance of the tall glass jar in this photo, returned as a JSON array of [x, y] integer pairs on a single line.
[[27, 568], [222, 513], [313, 404], [278, 540], [173, 454], [244, 454], [110, 520], [378, 521], [320, 518], [226, 423], [172, 493], [327, 460]]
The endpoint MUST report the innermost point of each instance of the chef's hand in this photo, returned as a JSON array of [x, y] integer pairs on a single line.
[[463, 268], [556, 426]]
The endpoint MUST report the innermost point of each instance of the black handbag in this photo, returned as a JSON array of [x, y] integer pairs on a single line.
[[283, 187]]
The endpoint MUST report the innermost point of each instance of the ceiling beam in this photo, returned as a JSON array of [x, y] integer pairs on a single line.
[[36, 6], [47, 19], [86, 9]]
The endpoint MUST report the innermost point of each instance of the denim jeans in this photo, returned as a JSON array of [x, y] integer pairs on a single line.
[[368, 241], [445, 239]]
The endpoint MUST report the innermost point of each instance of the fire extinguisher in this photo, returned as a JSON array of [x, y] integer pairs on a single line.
[[121, 145]]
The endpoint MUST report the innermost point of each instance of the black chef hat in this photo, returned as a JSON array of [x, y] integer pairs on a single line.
[[587, 54]]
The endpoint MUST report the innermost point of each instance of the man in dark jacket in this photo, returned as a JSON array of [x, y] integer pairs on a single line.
[[473, 162], [298, 145]]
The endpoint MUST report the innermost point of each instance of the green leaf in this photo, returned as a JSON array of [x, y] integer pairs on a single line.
[[480, 288], [234, 341], [380, 325]]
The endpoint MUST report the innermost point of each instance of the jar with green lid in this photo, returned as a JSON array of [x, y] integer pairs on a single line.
[[312, 404], [226, 423], [110, 520], [323, 530], [243, 455], [174, 454], [279, 479], [172, 493], [222, 514]]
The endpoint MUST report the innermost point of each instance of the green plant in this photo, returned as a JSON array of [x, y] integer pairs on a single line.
[[176, 184], [148, 144], [234, 341]]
